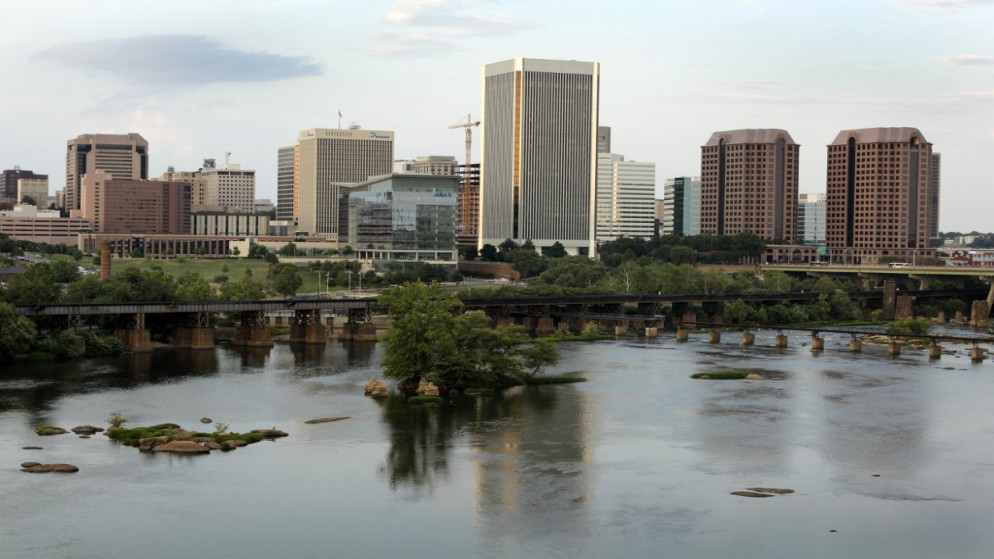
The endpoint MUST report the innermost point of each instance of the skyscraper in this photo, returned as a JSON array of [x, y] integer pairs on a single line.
[[123, 156], [626, 191], [286, 164], [879, 200], [934, 187], [749, 183], [229, 186], [328, 159], [682, 206], [538, 176]]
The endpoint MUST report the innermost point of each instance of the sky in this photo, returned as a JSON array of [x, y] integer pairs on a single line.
[[199, 79]]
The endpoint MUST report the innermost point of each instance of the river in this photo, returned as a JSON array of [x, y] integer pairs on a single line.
[[888, 457]]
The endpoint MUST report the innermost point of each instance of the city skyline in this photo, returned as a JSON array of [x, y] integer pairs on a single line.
[[245, 77]]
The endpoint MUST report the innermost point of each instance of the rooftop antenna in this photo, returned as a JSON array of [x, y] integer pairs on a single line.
[[227, 154]]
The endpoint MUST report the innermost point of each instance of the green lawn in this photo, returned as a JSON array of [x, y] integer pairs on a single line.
[[209, 268]]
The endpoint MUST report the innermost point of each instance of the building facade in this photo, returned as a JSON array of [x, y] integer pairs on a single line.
[[198, 187], [538, 176], [123, 156], [9, 179], [811, 213], [626, 191], [468, 199], [215, 223], [28, 223], [934, 188], [286, 183], [404, 217], [444, 165], [878, 195], [36, 189], [133, 206], [329, 159], [229, 186], [681, 206], [749, 183]]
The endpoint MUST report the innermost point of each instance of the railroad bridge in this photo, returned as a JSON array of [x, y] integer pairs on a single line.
[[540, 314]]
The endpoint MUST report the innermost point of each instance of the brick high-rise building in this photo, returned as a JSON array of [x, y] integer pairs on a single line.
[[135, 206], [749, 183], [8, 182], [879, 199], [538, 177], [123, 156], [934, 187]]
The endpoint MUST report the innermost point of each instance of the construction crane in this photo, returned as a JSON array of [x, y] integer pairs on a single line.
[[464, 203]]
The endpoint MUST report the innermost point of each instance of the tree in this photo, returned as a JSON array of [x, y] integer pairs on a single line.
[[525, 261], [489, 253], [16, 332], [557, 250], [28, 200], [245, 289], [289, 249], [193, 287], [38, 284], [286, 279]]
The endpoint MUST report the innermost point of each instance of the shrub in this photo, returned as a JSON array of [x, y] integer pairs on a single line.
[[116, 419], [909, 327]]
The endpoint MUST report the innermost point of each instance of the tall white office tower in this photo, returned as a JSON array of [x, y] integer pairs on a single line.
[[538, 174]]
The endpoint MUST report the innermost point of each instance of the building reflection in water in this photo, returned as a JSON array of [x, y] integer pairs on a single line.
[[531, 451]]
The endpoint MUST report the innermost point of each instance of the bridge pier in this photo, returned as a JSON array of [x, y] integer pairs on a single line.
[[934, 351], [904, 308], [689, 318], [894, 348], [748, 338], [199, 335], [890, 300], [682, 334], [817, 342], [980, 314], [958, 319], [977, 354], [651, 332], [545, 326], [781, 341], [135, 336], [941, 317], [359, 327], [714, 336], [307, 328], [252, 330], [855, 346]]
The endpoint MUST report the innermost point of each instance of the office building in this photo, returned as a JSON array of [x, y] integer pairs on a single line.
[[878, 195], [468, 200], [330, 159], [227, 223], [934, 187], [811, 215], [8, 183], [749, 183], [198, 186], [442, 165], [626, 191], [134, 206], [286, 183], [35, 189], [123, 156], [681, 206], [603, 139], [228, 186], [403, 166], [403, 216], [538, 176], [29, 223]]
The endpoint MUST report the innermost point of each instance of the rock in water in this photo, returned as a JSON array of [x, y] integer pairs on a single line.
[[751, 494], [376, 389], [426, 388], [87, 430], [324, 420], [181, 447], [754, 376], [206, 420], [45, 468], [51, 431], [770, 490]]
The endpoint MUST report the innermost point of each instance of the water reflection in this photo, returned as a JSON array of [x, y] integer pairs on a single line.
[[529, 453]]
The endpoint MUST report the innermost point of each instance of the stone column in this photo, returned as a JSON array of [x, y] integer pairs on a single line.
[[980, 314], [651, 332], [748, 338], [855, 346], [817, 343], [781, 340], [682, 334], [894, 348], [977, 354], [890, 300], [904, 307], [934, 351], [714, 336], [252, 331]]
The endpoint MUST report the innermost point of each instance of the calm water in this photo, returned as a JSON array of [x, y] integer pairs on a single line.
[[637, 462]]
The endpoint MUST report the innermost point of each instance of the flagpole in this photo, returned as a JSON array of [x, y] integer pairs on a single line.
[[339, 119]]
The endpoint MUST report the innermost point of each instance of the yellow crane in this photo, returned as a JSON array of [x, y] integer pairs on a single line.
[[464, 202]]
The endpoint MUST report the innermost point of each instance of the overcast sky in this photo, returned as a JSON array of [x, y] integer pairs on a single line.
[[201, 78]]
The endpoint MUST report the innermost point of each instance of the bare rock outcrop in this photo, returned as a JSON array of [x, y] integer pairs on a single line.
[[376, 389], [46, 468], [87, 430], [426, 388], [181, 447]]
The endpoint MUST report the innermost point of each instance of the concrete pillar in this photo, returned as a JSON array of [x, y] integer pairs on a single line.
[[817, 343], [934, 351], [941, 317], [980, 314], [781, 340], [959, 317], [309, 333], [714, 336], [977, 354], [138, 340], [651, 332], [192, 337], [682, 334], [904, 308], [358, 331], [620, 329], [893, 349], [252, 335], [504, 322], [545, 326], [530, 323], [104, 261], [890, 300], [748, 338], [689, 318], [855, 346]]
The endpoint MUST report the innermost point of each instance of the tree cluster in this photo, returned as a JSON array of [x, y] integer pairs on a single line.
[[429, 339]]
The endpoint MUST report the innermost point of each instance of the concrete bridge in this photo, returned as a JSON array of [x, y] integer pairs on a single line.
[[542, 315]]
